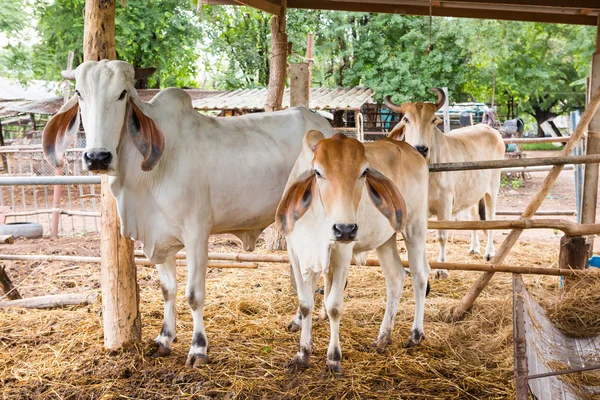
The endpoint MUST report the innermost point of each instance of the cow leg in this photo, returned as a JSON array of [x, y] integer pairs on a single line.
[[490, 215], [306, 297], [168, 282], [416, 240], [339, 268], [326, 290], [197, 258], [475, 245], [394, 283], [296, 323], [444, 214]]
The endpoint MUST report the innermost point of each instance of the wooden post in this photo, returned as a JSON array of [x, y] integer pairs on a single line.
[[446, 111], [467, 301], [590, 182], [278, 66], [521, 369], [574, 253], [120, 295], [6, 286], [4, 156], [299, 85]]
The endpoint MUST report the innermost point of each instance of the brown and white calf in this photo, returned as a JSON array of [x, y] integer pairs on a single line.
[[451, 193], [345, 198]]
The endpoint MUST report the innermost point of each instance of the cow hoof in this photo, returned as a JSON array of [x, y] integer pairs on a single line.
[[382, 343], [297, 364], [293, 327], [416, 337], [196, 360], [488, 257], [161, 351], [440, 273], [334, 367]]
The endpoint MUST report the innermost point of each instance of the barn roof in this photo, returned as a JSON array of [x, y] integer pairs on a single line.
[[247, 99], [582, 12], [254, 99], [12, 89]]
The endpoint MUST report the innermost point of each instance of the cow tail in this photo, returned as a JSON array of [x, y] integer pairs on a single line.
[[482, 211]]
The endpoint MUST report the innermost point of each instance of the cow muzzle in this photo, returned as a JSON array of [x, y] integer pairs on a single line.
[[97, 160], [424, 150], [345, 232]]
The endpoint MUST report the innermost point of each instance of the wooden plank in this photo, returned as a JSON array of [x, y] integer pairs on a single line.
[[520, 343], [262, 5], [446, 11]]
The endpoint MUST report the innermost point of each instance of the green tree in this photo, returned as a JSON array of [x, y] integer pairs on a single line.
[[155, 33], [15, 18]]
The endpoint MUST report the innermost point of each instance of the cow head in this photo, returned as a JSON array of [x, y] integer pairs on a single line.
[[337, 175], [418, 123], [110, 108]]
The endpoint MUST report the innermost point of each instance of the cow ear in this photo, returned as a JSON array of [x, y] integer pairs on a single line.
[[437, 121], [296, 200], [60, 132], [146, 136], [310, 140], [398, 132], [387, 198]]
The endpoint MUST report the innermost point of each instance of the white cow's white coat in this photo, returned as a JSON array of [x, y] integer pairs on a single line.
[[216, 175]]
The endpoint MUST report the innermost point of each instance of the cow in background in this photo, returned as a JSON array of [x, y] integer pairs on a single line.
[[453, 192]]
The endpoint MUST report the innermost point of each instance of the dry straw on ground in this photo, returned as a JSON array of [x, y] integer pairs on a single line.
[[576, 310], [59, 354]]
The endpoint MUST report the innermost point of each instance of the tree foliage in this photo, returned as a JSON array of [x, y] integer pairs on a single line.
[[156, 33]]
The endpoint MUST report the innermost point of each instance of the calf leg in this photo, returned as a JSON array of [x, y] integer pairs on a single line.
[[490, 214], [394, 283], [339, 268], [306, 307], [197, 258], [168, 282], [475, 245], [416, 239], [442, 236], [296, 323]]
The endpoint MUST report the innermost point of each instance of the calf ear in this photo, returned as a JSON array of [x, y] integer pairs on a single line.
[[397, 133], [60, 132], [387, 198], [146, 136], [296, 200]]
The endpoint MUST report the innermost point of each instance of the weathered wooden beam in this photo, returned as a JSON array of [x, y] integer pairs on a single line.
[[574, 253], [591, 173], [262, 5], [447, 10], [52, 301], [120, 293], [520, 162], [278, 66], [568, 227], [521, 369]]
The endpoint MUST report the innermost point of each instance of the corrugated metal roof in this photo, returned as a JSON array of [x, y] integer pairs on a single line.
[[11, 89], [254, 99], [241, 99]]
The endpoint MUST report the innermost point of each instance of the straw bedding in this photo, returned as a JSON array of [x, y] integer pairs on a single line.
[[53, 354]]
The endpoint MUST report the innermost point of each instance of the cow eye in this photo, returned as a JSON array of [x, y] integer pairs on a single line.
[[123, 93], [364, 174], [318, 174], [78, 94], [433, 122], [405, 119]]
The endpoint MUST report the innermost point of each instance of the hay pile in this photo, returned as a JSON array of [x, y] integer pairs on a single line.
[[59, 353], [576, 309]]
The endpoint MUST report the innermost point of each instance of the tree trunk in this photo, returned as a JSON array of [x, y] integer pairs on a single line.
[[540, 117], [278, 67], [120, 295]]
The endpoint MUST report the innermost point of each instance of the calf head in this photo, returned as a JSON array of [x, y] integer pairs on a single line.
[[110, 108], [336, 177], [418, 123]]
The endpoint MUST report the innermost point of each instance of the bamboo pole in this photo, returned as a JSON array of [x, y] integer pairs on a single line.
[[543, 212], [537, 140], [138, 261], [467, 301], [522, 162], [568, 227]]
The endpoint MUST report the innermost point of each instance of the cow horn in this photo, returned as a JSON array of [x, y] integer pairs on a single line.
[[441, 97], [387, 100], [70, 74]]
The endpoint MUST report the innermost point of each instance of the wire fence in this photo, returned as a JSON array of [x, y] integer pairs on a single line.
[[32, 203]]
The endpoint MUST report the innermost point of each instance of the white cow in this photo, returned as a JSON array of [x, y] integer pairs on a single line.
[[451, 193], [344, 198], [179, 176]]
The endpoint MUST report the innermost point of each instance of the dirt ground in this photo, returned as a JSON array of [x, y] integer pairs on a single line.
[[59, 354]]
